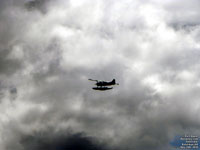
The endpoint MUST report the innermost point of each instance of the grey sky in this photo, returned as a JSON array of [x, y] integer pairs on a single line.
[[48, 50]]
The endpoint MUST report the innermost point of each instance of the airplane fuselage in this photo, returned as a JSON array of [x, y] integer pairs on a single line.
[[103, 83]]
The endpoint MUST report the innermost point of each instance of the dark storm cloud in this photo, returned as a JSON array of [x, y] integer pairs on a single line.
[[47, 58], [60, 141], [8, 66], [37, 5], [10, 51]]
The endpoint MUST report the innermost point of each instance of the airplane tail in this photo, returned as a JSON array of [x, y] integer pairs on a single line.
[[113, 81]]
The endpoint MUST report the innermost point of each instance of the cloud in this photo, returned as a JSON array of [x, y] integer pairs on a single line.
[[51, 48], [37, 5], [60, 141]]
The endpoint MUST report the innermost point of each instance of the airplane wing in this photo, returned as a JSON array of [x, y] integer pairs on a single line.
[[93, 80]]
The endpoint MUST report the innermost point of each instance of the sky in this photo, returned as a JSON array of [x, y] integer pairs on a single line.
[[50, 48]]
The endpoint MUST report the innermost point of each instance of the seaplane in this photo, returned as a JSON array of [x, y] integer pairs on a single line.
[[103, 85]]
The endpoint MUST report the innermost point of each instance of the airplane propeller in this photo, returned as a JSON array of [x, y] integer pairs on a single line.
[[93, 80]]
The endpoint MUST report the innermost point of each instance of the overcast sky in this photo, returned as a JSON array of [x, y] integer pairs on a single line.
[[49, 49]]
